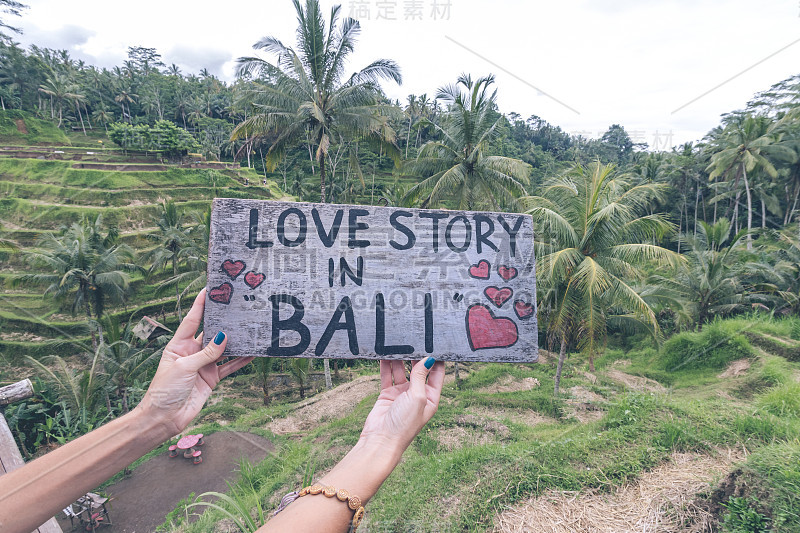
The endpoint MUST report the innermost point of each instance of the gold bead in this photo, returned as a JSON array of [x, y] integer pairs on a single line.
[[358, 517], [315, 489], [342, 495], [354, 503], [329, 492]]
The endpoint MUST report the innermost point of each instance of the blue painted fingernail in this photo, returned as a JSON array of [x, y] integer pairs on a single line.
[[429, 362], [219, 338]]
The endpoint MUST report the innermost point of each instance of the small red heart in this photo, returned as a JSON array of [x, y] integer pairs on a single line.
[[484, 330], [506, 272], [221, 294], [254, 279], [523, 309], [233, 268], [498, 296], [481, 270]]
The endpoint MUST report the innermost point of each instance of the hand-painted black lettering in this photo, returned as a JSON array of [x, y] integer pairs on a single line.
[[512, 233], [435, 217], [380, 332], [345, 307], [428, 323], [402, 228], [354, 226], [331, 272], [330, 237], [358, 277], [482, 237], [293, 323], [252, 241], [301, 234], [448, 234]]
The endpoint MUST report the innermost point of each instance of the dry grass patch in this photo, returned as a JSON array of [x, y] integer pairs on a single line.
[[585, 404], [662, 500], [528, 417], [472, 430], [511, 384], [636, 383], [736, 368], [327, 406]]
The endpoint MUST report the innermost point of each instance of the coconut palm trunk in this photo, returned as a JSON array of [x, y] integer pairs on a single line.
[[562, 354], [749, 209]]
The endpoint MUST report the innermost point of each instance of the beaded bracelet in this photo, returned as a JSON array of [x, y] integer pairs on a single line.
[[353, 502]]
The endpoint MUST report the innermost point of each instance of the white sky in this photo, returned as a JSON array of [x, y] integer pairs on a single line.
[[632, 62]]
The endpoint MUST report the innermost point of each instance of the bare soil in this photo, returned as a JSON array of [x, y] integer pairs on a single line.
[[141, 501], [21, 127]]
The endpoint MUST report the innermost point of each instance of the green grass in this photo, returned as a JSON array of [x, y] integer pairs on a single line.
[[39, 131]]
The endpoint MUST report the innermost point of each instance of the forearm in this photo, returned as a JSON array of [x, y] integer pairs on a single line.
[[362, 471], [34, 493]]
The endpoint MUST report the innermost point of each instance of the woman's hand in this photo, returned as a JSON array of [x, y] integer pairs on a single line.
[[404, 407], [187, 373]]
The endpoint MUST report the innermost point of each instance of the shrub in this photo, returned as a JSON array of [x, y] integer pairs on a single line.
[[782, 401], [714, 347]]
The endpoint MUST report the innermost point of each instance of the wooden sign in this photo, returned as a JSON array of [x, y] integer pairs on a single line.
[[343, 281]]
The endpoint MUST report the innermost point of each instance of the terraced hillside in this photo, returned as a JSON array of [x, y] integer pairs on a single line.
[[45, 187]]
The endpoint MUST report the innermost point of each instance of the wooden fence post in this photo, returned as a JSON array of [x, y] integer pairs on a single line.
[[10, 458]]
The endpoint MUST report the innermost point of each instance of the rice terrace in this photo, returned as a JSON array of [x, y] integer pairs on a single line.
[[641, 374]]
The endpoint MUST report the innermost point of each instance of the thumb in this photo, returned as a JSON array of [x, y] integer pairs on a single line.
[[212, 351], [419, 374]]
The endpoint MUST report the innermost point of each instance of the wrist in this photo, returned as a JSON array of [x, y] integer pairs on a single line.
[[365, 467], [151, 428]]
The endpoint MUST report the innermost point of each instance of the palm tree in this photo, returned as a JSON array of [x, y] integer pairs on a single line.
[[123, 361], [86, 264], [744, 146], [57, 87], [170, 238], [194, 255], [593, 242], [263, 367], [299, 368], [310, 97], [711, 282], [459, 166], [125, 96]]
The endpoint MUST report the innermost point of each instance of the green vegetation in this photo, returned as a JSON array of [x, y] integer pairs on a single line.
[[669, 281]]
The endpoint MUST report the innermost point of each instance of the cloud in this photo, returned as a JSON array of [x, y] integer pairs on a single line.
[[195, 59], [70, 36]]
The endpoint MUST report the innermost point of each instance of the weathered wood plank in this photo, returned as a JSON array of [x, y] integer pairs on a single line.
[[323, 280], [16, 392]]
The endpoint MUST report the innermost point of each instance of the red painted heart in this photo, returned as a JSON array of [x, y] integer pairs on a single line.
[[481, 270], [506, 272], [254, 279], [484, 330], [233, 268], [523, 309], [498, 296], [221, 294]]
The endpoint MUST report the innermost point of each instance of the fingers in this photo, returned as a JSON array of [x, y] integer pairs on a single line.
[[191, 321], [398, 372], [386, 374], [419, 374], [232, 366], [436, 377], [209, 354]]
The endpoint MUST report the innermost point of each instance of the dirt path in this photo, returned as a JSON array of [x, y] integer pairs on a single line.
[[660, 500], [141, 501]]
